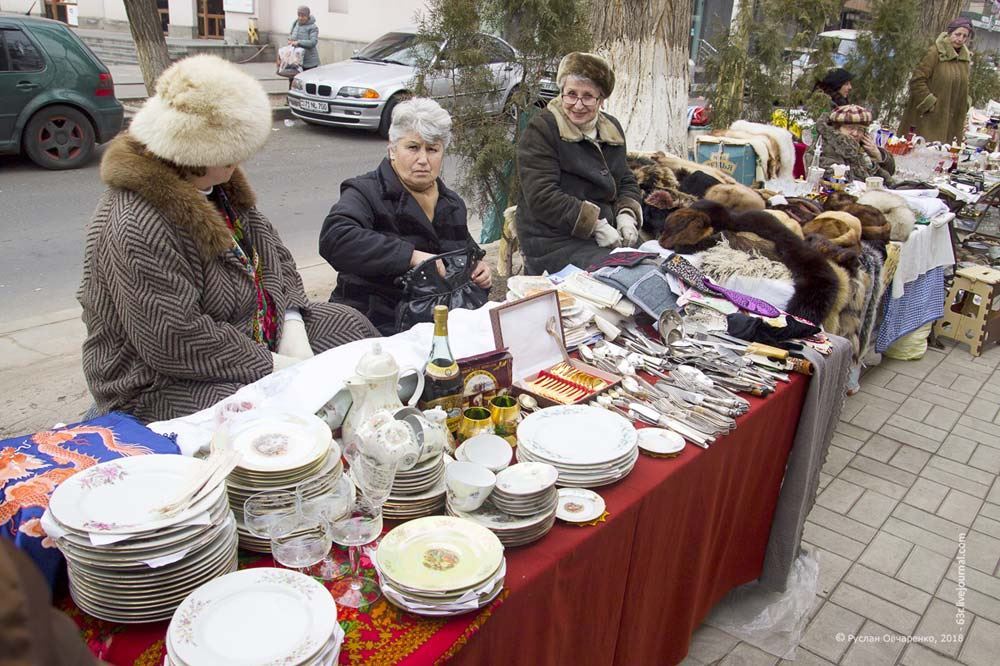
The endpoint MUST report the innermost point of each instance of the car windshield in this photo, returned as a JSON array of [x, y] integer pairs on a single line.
[[401, 48]]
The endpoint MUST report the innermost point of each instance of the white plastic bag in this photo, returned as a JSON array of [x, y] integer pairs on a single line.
[[290, 60]]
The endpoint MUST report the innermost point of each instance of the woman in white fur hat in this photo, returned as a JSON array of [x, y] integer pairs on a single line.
[[188, 292]]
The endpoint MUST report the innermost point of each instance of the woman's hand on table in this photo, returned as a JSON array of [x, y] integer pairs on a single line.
[[628, 229], [482, 275], [606, 235], [417, 257]]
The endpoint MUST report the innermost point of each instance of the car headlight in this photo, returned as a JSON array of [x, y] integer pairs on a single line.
[[298, 85], [362, 93]]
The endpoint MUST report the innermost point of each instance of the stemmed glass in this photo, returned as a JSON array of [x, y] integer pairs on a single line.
[[263, 510], [361, 524], [327, 498], [299, 541]]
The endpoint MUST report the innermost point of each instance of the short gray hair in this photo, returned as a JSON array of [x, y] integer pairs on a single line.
[[423, 116], [582, 79]]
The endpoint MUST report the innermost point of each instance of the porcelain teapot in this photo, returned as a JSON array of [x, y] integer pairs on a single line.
[[381, 446], [373, 389]]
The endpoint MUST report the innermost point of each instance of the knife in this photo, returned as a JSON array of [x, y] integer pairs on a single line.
[[751, 347]]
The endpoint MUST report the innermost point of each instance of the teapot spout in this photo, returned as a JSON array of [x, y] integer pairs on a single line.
[[356, 386]]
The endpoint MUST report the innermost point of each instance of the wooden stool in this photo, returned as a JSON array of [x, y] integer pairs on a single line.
[[972, 310]]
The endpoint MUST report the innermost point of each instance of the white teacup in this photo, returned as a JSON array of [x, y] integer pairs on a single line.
[[874, 183], [490, 451], [469, 484]]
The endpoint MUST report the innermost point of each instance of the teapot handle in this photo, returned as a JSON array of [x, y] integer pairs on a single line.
[[412, 402]]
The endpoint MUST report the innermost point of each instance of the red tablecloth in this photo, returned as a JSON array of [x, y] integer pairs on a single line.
[[681, 533]]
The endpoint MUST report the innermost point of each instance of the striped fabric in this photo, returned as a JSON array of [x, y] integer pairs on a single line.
[[169, 321]]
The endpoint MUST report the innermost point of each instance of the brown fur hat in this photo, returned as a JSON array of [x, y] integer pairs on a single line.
[[839, 201], [686, 227], [588, 66], [736, 197], [788, 221], [840, 228]]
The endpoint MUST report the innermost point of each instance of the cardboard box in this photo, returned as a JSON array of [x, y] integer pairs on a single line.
[[531, 329]]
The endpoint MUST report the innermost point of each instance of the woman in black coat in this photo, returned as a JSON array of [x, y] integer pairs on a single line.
[[391, 219], [578, 197]]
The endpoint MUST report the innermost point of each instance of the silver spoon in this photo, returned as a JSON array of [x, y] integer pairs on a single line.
[[527, 402]]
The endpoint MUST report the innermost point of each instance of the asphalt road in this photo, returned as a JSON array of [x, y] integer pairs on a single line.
[[44, 214]]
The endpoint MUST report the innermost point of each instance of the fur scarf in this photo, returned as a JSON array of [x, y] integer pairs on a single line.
[[874, 225], [901, 219], [838, 227]]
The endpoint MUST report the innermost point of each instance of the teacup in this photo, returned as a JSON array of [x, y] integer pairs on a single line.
[[506, 413], [491, 451], [469, 484]]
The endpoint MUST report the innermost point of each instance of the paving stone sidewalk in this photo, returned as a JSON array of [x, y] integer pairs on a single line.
[[906, 524]]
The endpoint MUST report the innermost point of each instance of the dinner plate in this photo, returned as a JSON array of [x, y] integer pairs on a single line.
[[576, 434], [498, 521], [439, 553], [526, 478], [579, 505], [273, 441], [660, 441], [254, 616], [121, 496]]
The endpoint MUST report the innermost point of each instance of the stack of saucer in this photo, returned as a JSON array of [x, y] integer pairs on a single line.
[[278, 451], [418, 491], [512, 530], [526, 489], [127, 561], [256, 616], [440, 566]]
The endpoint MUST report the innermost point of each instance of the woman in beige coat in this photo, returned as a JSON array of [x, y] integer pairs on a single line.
[[939, 87]]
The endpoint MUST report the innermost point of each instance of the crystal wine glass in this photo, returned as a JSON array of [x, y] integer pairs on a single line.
[[361, 525], [262, 510], [327, 497], [299, 541]]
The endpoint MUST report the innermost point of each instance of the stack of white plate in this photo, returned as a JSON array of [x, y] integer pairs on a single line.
[[256, 616], [526, 489], [589, 446], [278, 450], [418, 491], [440, 566], [510, 529], [126, 561]]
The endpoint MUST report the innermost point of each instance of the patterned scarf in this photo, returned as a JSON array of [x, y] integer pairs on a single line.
[[264, 329]]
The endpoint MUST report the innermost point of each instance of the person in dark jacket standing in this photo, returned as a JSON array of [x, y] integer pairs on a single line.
[[305, 35], [578, 197], [391, 219]]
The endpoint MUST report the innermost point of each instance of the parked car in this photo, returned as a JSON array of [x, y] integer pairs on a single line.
[[362, 91], [846, 42], [57, 99]]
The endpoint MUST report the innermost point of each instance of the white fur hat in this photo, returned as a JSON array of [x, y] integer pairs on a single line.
[[206, 112]]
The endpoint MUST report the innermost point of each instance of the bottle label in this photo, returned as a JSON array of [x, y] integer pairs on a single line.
[[438, 372]]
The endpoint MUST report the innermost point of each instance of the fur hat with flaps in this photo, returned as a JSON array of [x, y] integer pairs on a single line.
[[589, 66], [206, 112]]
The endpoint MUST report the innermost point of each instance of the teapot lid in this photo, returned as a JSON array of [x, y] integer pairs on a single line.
[[376, 364]]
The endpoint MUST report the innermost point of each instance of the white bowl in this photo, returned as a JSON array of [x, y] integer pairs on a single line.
[[490, 451]]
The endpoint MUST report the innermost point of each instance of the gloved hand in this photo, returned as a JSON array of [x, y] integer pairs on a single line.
[[628, 229], [281, 361], [294, 341], [606, 235]]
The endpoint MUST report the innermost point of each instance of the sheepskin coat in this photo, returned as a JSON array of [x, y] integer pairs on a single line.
[[307, 35], [568, 183], [167, 304], [939, 93]]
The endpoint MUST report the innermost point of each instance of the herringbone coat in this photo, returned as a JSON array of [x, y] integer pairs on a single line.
[[167, 304]]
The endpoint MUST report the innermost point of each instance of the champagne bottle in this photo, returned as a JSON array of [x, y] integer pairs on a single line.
[[442, 382]]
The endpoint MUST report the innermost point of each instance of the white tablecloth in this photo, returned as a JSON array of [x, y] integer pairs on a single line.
[[928, 247]]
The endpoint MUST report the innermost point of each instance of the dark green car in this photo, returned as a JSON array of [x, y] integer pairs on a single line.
[[57, 99]]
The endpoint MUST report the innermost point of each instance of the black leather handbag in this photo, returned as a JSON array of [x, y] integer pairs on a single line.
[[424, 287]]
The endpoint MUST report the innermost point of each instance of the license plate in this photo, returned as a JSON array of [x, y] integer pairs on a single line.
[[309, 105]]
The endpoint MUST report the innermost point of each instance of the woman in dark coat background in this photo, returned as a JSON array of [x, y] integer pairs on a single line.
[[578, 197], [391, 219]]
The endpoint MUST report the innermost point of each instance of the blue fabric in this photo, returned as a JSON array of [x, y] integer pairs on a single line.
[[32, 466], [922, 302]]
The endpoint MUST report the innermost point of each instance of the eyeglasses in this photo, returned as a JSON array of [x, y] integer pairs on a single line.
[[588, 100]]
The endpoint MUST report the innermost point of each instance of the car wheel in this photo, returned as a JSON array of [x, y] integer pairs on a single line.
[[383, 126], [59, 137], [510, 109]]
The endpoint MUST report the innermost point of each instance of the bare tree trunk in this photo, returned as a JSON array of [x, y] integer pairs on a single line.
[[936, 15], [647, 43], [150, 45]]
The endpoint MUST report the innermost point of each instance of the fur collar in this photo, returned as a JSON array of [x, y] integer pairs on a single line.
[[126, 166], [947, 52], [606, 130]]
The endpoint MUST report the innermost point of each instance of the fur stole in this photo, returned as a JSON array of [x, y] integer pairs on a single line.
[[838, 227], [901, 218], [781, 137], [874, 225]]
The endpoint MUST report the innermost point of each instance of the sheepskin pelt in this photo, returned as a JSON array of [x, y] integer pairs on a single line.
[[874, 225], [722, 262], [838, 227], [781, 137], [901, 218], [816, 283], [763, 146]]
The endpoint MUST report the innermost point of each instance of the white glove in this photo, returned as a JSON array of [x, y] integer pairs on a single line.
[[628, 229], [606, 235], [294, 341], [281, 361]]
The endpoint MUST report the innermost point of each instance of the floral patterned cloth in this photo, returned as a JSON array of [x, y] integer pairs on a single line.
[[33, 465]]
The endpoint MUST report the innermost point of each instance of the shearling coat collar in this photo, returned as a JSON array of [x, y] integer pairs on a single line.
[[606, 130], [947, 52], [127, 166]]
